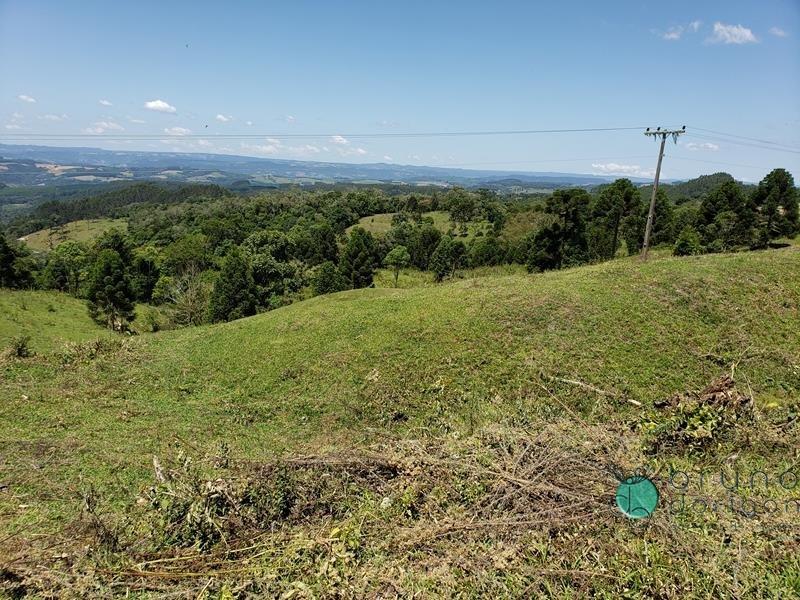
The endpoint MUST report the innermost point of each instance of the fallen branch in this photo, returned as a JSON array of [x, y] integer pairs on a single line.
[[592, 388]]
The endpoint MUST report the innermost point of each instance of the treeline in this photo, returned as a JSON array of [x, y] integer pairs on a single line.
[[207, 255], [115, 202]]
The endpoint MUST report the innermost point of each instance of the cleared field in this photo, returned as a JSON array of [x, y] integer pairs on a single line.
[[448, 440], [77, 231], [381, 223]]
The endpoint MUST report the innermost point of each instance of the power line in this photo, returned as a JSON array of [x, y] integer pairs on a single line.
[[717, 162], [742, 137], [702, 136], [160, 136], [541, 161]]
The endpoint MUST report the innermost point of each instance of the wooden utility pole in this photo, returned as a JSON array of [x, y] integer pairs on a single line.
[[662, 133]]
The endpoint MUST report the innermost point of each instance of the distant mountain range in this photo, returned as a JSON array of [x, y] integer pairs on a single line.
[[26, 165]]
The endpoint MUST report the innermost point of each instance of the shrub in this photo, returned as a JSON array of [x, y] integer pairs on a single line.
[[20, 346], [688, 242], [327, 279]]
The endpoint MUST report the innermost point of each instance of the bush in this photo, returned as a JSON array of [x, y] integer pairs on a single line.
[[327, 279], [688, 242], [20, 346]]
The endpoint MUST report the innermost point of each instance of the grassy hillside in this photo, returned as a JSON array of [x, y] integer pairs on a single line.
[[49, 318], [85, 230], [451, 396], [381, 223]]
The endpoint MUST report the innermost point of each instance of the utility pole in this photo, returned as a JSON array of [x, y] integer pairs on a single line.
[[662, 133]]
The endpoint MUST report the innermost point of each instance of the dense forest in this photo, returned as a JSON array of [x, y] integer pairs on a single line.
[[205, 254]]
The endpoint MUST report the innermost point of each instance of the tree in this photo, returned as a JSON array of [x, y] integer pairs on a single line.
[[233, 295], [145, 272], [15, 272], [496, 215], [188, 294], [562, 243], [276, 272], [357, 262], [726, 218], [116, 240], [187, 253], [775, 199], [422, 243], [109, 292], [610, 208], [447, 257], [485, 250], [461, 205], [544, 249], [65, 267], [327, 279], [633, 225], [688, 242], [398, 258]]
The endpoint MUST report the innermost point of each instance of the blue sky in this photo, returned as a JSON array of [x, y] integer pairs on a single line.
[[181, 69]]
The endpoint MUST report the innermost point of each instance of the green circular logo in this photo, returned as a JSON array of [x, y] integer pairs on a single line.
[[637, 497]]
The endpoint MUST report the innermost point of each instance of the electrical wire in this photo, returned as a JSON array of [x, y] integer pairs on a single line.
[[701, 136], [742, 137], [715, 162], [158, 136]]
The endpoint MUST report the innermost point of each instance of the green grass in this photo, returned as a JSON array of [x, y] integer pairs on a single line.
[[423, 362], [77, 231], [381, 223], [49, 318]]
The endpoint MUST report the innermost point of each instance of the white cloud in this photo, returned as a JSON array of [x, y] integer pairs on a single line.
[[675, 32], [339, 140], [704, 146], [289, 119], [16, 120], [26, 98], [105, 103], [387, 158], [731, 34], [223, 118], [54, 117], [248, 123], [777, 32], [274, 146], [262, 148], [137, 121], [160, 106], [177, 131], [618, 169], [204, 143], [360, 151], [102, 126]]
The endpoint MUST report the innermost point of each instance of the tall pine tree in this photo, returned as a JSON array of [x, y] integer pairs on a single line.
[[233, 296], [357, 263], [109, 291]]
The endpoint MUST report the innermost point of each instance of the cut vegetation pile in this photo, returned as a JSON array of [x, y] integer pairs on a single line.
[[697, 419], [504, 512]]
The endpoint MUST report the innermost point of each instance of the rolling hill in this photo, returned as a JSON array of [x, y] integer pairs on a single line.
[[83, 230], [34, 165], [447, 440]]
